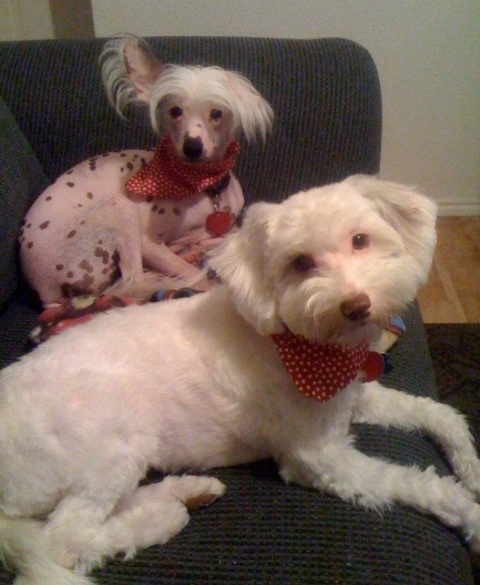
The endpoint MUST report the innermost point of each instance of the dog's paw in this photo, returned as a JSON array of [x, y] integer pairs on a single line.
[[472, 530], [214, 490], [81, 550], [63, 555], [196, 491], [470, 477]]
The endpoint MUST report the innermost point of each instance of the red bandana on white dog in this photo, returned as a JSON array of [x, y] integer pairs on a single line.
[[169, 176], [320, 370]]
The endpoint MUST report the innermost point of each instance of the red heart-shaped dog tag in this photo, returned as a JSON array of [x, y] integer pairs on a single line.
[[219, 222], [373, 366]]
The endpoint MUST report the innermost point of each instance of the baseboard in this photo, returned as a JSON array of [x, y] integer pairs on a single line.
[[458, 208]]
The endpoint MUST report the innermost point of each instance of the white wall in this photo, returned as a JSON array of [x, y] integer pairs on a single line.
[[427, 53], [25, 19]]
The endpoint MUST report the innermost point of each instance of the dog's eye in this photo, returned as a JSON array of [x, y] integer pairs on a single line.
[[360, 241], [175, 112], [303, 263], [216, 114]]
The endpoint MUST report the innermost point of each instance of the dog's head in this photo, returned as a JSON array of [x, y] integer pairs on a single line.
[[202, 108], [332, 263]]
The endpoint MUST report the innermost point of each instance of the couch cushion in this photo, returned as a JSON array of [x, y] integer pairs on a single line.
[[21, 180]]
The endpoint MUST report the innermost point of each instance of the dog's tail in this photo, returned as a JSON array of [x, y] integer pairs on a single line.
[[23, 549]]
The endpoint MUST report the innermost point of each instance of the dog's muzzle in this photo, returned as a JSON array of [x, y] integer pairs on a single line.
[[193, 148], [356, 308]]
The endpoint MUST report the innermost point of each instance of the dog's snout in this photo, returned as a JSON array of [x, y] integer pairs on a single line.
[[193, 148], [356, 308]]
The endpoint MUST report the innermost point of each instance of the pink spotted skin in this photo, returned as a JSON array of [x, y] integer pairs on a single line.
[[85, 232]]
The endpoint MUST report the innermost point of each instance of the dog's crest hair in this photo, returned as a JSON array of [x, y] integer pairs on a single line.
[[132, 74]]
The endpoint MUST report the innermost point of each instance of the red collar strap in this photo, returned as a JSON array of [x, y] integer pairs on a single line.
[[321, 370], [169, 176]]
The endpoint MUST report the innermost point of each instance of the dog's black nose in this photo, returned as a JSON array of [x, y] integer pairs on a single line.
[[356, 308], [193, 148]]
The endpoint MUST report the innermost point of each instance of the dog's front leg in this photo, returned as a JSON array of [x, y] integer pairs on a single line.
[[71, 527], [128, 239], [338, 468], [159, 257], [390, 408]]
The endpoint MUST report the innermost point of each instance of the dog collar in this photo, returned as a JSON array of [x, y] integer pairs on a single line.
[[169, 176], [321, 370]]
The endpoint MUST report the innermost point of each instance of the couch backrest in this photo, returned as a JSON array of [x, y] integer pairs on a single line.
[[325, 94]]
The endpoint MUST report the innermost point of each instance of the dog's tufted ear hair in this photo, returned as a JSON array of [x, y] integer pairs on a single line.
[[129, 70], [241, 262], [411, 214], [252, 113]]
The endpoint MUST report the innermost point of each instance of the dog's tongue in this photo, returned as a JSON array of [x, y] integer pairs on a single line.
[[321, 370]]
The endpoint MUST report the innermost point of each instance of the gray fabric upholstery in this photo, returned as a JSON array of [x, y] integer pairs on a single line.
[[21, 180], [326, 97]]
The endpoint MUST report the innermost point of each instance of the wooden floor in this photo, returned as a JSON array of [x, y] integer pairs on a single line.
[[452, 293]]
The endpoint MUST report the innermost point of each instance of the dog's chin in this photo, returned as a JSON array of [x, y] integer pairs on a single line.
[[204, 158], [353, 333], [338, 330]]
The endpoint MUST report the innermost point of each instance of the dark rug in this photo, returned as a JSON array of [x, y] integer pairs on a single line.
[[455, 351]]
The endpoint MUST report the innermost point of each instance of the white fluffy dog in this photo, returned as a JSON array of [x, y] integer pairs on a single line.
[[208, 381]]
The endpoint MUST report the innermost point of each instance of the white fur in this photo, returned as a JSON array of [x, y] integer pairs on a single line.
[[197, 383]]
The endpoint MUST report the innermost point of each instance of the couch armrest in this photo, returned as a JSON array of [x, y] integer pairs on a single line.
[[21, 180]]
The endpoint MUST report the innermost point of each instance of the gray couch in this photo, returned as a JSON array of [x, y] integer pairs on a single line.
[[326, 97]]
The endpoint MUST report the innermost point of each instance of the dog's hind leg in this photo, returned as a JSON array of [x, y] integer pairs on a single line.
[[337, 467], [73, 524], [390, 408], [152, 514]]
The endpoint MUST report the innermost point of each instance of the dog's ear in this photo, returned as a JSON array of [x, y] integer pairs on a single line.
[[143, 67], [411, 214], [252, 113], [129, 70], [241, 262]]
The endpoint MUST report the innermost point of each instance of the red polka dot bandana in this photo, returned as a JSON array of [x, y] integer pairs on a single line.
[[169, 176], [320, 370]]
